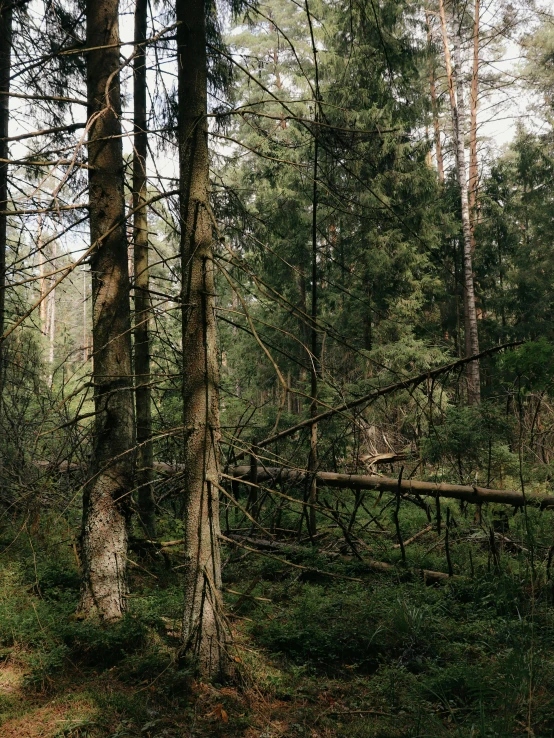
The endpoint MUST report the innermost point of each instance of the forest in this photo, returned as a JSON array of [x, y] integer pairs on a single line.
[[276, 368]]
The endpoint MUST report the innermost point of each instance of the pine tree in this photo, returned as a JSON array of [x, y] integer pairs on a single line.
[[204, 629], [106, 506], [145, 457]]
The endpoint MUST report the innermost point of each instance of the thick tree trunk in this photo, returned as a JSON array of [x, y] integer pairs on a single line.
[[106, 498], [470, 312], [6, 20], [204, 630], [146, 502]]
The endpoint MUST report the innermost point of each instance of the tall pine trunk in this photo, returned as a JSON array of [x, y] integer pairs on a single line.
[[6, 20], [146, 502], [473, 170], [204, 631], [314, 348], [470, 312], [106, 498]]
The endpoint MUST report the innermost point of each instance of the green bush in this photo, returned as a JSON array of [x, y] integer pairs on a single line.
[[103, 645]]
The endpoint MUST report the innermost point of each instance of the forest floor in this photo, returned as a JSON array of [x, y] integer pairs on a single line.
[[316, 656]]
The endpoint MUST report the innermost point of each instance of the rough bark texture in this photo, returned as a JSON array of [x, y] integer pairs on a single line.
[[470, 312], [473, 170], [105, 502], [204, 631], [5, 56], [146, 502]]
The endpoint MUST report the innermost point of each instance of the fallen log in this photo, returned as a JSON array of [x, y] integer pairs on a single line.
[[473, 494], [382, 567]]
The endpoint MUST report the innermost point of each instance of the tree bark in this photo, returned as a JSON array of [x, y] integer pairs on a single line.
[[473, 169], [204, 630], [314, 357], [146, 501], [106, 509], [314, 347], [6, 22], [470, 312], [434, 107], [51, 318]]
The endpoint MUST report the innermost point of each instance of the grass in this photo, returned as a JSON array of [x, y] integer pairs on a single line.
[[317, 656]]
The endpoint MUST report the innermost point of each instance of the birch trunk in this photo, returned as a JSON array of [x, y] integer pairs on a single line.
[[146, 502], [106, 498], [204, 630], [470, 312]]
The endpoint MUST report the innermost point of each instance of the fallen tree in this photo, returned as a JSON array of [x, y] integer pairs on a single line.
[[473, 494], [467, 493]]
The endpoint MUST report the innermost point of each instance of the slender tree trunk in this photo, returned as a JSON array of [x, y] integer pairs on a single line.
[[145, 458], [6, 20], [434, 106], [106, 498], [470, 312], [43, 282], [473, 170], [204, 630], [51, 330], [314, 358]]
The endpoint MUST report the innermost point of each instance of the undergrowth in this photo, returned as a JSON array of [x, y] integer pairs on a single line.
[[316, 655]]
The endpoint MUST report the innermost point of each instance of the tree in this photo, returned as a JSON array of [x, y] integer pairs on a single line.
[[145, 457], [6, 20], [106, 508], [204, 630], [458, 120]]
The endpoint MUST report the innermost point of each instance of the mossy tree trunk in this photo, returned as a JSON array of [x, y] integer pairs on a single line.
[[106, 498]]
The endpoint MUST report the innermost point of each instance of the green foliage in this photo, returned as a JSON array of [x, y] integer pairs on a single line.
[[472, 439], [531, 364]]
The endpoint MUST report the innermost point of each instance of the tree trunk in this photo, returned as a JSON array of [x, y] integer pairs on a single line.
[[146, 502], [42, 311], [473, 494], [434, 107], [106, 498], [204, 630], [473, 170], [470, 312], [314, 358], [51, 329], [6, 18]]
